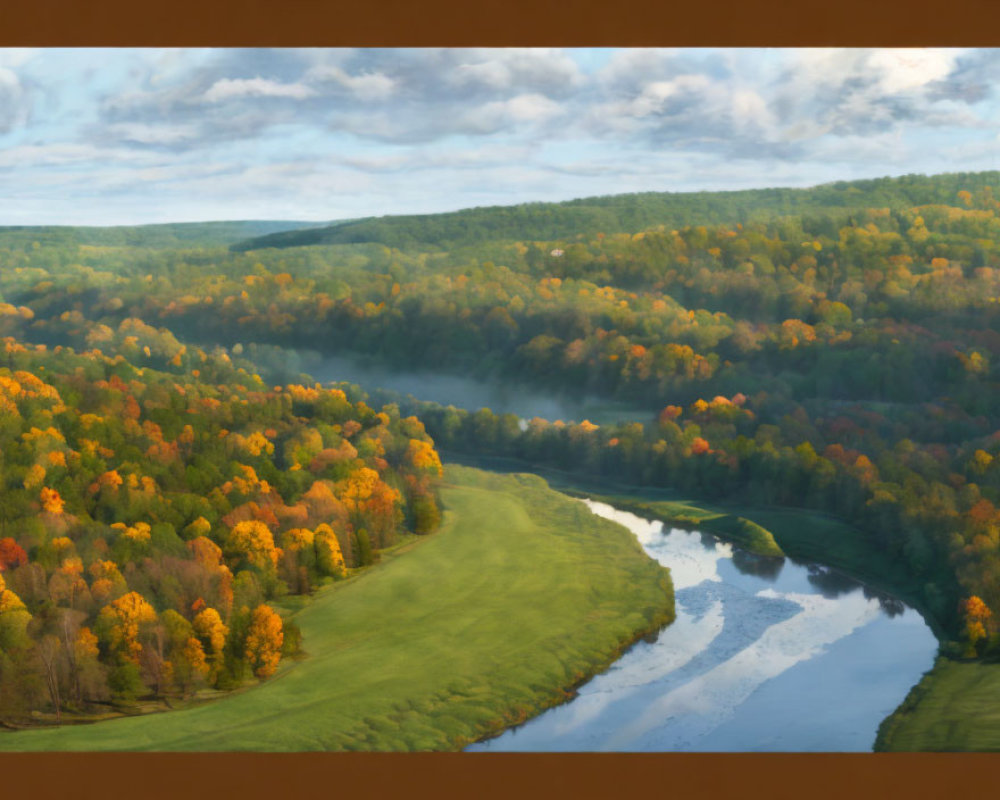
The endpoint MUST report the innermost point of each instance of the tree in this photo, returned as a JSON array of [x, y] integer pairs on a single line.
[[48, 648], [11, 554], [51, 501], [120, 621], [254, 542], [14, 619], [329, 558], [209, 628], [976, 615], [263, 642]]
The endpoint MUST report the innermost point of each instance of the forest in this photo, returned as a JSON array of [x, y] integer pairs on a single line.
[[151, 515], [168, 475]]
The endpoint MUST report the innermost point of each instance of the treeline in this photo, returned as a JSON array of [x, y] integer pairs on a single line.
[[924, 507], [627, 213], [150, 517], [171, 234], [878, 305]]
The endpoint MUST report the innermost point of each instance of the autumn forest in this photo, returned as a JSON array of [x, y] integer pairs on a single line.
[[174, 481]]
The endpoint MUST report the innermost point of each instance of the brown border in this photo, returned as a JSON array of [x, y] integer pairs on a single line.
[[310, 23], [485, 776], [496, 23]]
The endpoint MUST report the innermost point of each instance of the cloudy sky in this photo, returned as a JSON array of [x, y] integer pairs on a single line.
[[123, 136]]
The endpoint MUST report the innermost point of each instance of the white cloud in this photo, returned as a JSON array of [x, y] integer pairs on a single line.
[[152, 134], [17, 56], [9, 79], [227, 89], [525, 109], [367, 85], [58, 154], [548, 70], [454, 127], [907, 69], [749, 109], [429, 159]]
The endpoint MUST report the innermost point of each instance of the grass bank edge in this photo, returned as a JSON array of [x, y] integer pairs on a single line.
[[799, 533]]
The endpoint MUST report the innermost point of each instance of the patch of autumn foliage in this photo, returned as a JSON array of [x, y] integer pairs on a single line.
[[160, 500]]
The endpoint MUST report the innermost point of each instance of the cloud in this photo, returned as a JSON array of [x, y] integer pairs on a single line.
[[426, 159], [17, 56], [908, 69], [782, 104], [365, 86], [466, 124], [857, 92], [228, 89], [515, 70], [77, 158], [145, 134], [407, 95], [15, 99]]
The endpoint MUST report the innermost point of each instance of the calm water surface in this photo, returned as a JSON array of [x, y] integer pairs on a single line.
[[765, 654]]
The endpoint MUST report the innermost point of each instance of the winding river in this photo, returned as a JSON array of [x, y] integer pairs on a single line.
[[765, 655]]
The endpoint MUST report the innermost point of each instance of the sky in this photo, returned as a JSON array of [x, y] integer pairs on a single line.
[[134, 136]]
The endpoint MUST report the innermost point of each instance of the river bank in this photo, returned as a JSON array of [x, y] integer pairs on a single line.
[[766, 654], [802, 534]]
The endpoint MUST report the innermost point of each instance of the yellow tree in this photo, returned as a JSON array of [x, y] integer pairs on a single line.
[[14, 618], [422, 455], [329, 558], [263, 642], [51, 501], [977, 615], [252, 540], [120, 620], [209, 628]]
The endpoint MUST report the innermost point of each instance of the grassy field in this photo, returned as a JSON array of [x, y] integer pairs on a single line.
[[800, 533], [519, 596], [954, 707]]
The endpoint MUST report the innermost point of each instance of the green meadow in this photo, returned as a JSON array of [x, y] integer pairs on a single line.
[[952, 709], [519, 596], [802, 534]]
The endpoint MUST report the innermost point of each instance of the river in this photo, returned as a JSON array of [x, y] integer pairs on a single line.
[[765, 655]]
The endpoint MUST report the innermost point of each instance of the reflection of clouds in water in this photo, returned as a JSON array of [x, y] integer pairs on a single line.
[[736, 631], [646, 664], [708, 699], [684, 552], [675, 647]]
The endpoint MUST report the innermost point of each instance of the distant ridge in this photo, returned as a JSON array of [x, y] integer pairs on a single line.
[[627, 213], [171, 234]]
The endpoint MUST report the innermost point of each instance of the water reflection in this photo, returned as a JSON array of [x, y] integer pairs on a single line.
[[891, 606], [830, 582], [766, 567], [708, 541], [765, 654]]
